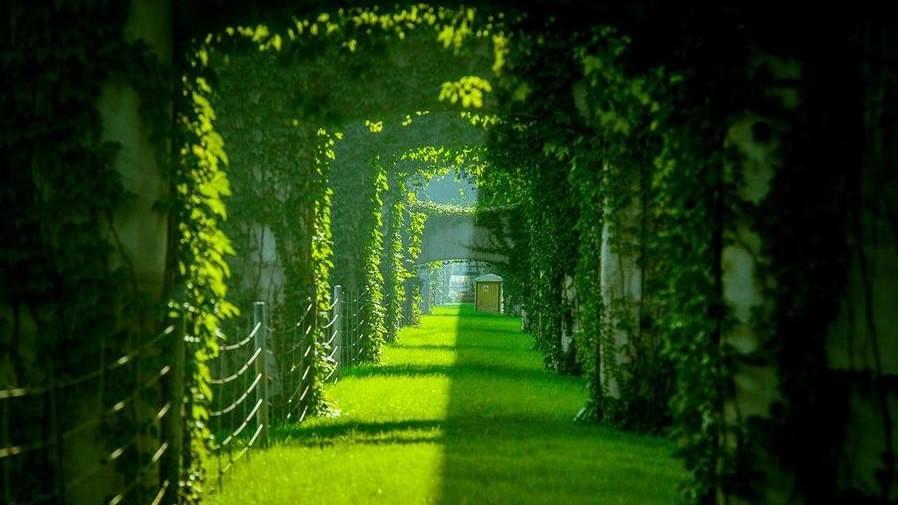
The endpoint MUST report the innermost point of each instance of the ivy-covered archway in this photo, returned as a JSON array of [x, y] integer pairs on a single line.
[[690, 246], [284, 136]]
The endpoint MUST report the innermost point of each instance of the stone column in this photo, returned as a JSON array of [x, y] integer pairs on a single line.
[[621, 288], [756, 386], [142, 232]]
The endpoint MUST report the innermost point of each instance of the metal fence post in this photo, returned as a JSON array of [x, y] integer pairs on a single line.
[[337, 329], [173, 423], [351, 330], [5, 440], [260, 318], [346, 352]]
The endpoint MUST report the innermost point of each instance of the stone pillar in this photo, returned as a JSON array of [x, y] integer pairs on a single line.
[[621, 289], [860, 350], [142, 233], [425, 290], [568, 328], [139, 226], [756, 386]]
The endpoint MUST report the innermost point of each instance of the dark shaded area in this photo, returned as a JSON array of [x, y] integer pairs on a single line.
[[483, 347], [502, 429], [367, 433], [460, 369]]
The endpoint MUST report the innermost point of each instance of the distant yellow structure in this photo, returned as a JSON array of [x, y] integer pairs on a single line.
[[488, 293]]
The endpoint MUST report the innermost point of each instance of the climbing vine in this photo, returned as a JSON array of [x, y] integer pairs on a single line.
[[614, 172], [393, 266], [202, 184], [374, 313], [650, 206], [358, 228], [414, 236], [529, 162]]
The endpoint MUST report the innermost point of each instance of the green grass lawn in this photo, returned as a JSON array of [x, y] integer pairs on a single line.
[[460, 411]]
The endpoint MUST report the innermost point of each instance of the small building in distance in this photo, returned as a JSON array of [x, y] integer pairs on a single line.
[[488, 293]]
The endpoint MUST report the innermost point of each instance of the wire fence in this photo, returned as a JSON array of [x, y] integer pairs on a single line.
[[357, 328], [264, 376], [62, 437], [113, 434]]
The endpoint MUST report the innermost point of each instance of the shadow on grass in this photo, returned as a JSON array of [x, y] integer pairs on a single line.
[[468, 310], [459, 369], [446, 347], [323, 435], [515, 441]]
